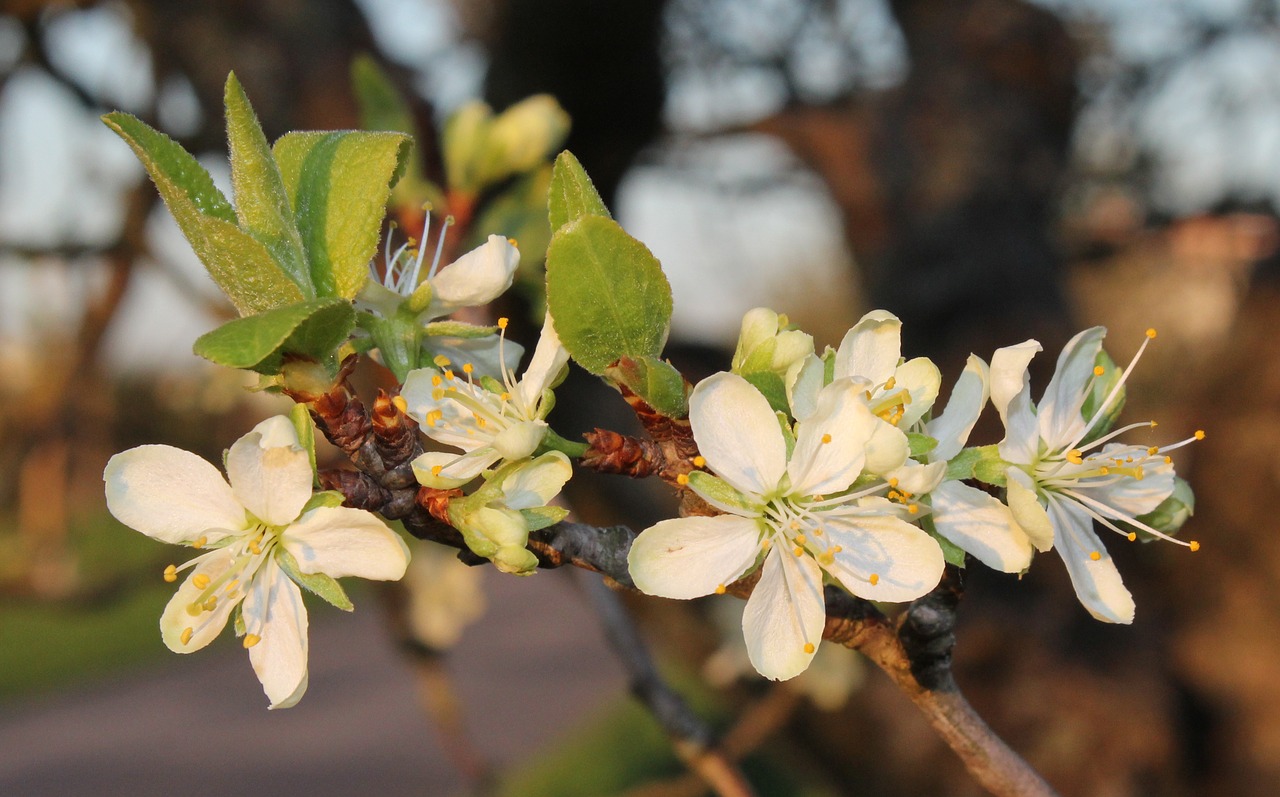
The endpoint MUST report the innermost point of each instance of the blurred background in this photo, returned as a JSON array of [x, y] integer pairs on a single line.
[[988, 170]]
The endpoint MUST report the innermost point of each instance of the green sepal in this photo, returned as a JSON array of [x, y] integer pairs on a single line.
[[607, 294], [788, 433], [990, 469], [237, 620], [313, 329], [338, 184], [1171, 513], [572, 195], [654, 380], [1101, 388], [300, 417], [963, 465], [327, 587], [771, 386], [539, 517], [459, 329], [920, 444], [721, 491], [398, 340], [951, 553], [240, 264], [323, 499], [554, 442], [262, 206]]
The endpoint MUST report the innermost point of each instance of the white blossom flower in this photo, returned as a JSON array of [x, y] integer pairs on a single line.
[[488, 421], [1066, 473], [796, 509], [257, 530]]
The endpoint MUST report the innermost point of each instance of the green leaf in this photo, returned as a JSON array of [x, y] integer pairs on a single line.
[[459, 329], [656, 381], [771, 386], [384, 107], [338, 184], [721, 491], [607, 294], [572, 194], [920, 444], [325, 498], [262, 205], [325, 586], [241, 265], [312, 329], [539, 517]]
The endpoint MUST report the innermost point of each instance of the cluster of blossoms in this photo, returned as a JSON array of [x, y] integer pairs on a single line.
[[831, 469]]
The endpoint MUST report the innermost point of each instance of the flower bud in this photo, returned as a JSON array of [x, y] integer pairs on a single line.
[[1172, 512], [522, 137], [516, 560], [463, 140], [520, 439]]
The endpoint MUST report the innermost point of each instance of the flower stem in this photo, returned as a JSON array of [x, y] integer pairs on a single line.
[[554, 442]]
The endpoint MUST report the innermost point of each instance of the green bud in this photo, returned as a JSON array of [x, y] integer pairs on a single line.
[[516, 560], [522, 138], [1172, 512], [463, 139]]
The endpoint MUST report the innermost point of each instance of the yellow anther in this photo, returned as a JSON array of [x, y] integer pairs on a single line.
[[251, 639], [826, 558], [809, 648], [800, 539], [1199, 434], [502, 322], [1075, 456], [185, 636], [435, 469], [481, 422], [1193, 545], [401, 404], [874, 579], [1168, 460], [441, 361], [1098, 370], [766, 545], [826, 438], [467, 368], [817, 532], [682, 479], [512, 241], [1139, 474], [867, 394], [1151, 452], [1095, 556], [1133, 536], [171, 573], [798, 551], [893, 482], [448, 374], [505, 396], [893, 495], [1151, 333], [200, 581], [436, 381], [699, 461], [1104, 470], [232, 584], [1154, 424], [200, 543], [255, 548], [914, 508], [837, 549], [890, 382], [720, 589]]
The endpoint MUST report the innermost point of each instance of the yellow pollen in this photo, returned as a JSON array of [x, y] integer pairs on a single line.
[[1104, 470], [467, 368], [186, 635], [682, 479], [1151, 333], [826, 558], [1139, 473], [251, 639], [512, 241], [1095, 556], [800, 540], [480, 422], [1151, 452], [914, 508], [448, 373], [171, 573], [699, 461], [798, 551], [1098, 370], [867, 393], [826, 438], [502, 322], [720, 589], [200, 543], [874, 579], [435, 469], [808, 647], [436, 381], [1199, 434], [893, 482], [1193, 545], [893, 495], [232, 584], [1133, 536], [437, 395], [434, 417], [890, 382], [505, 396], [817, 532], [441, 361], [1154, 424], [401, 404], [1075, 456], [1168, 460], [837, 549], [200, 581], [255, 547], [766, 545]]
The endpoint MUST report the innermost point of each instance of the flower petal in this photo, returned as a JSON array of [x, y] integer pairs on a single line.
[[171, 495], [1021, 443], [476, 278], [270, 471], [1059, 410], [785, 614], [1096, 581], [1128, 496], [921, 378], [952, 426], [273, 611], [982, 526], [905, 561], [549, 359], [737, 432], [537, 482], [887, 449], [1009, 373], [424, 470], [1026, 509], [689, 557], [871, 349], [803, 385], [340, 541], [489, 355], [205, 625], [831, 443], [917, 479]]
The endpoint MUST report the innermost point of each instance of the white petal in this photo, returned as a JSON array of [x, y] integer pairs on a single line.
[[738, 434], [489, 354], [951, 428], [424, 470], [979, 524], [273, 610], [468, 466], [831, 443], [871, 349], [270, 471], [1059, 410], [803, 385], [519, 440], [791, 347], [476, 278], [921, 378], [549, 359], [785, 614], [1097, 582], [887, 450], [204, 625], [171, 495], [689, 557], [906, 561], [537, 482], [340, 541], [1026, 509], [1021, 443], [1009, 373], [1128, 496], [918, 479]]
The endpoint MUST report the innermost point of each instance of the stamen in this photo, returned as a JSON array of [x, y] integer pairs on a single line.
[[826, 438], [441, 361], [808, 647], [436, 380], [798, 551], [699, 461], [201, 542], [200, 581], [1151, 334], [467, 368], [171, 573], [720, 589], [502, 322], [435, 469], [401, 404], [874, 579], [1193, 545], [185, 636], [682, 479], [251, 639], [800, 539], [1199, 434], [1133, 536], [1095, 556]]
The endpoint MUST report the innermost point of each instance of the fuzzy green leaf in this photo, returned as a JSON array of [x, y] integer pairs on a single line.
[[607, 294], [326, 587], [656, 381], [241, 265], [921, 444], [572, 194], [721, 491], [338, 184], [312, 329], [300, 417]]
